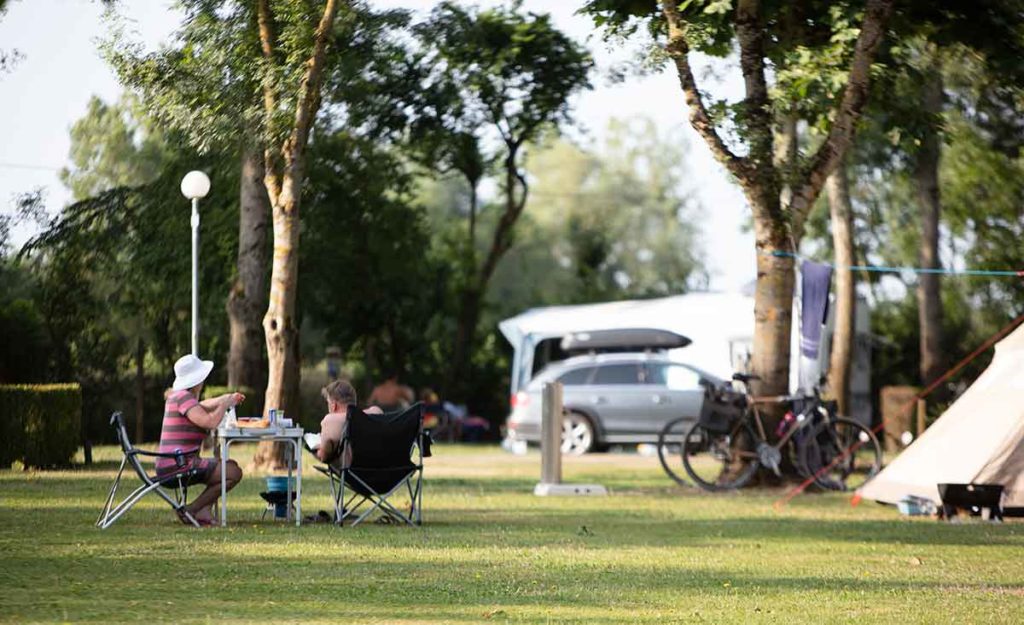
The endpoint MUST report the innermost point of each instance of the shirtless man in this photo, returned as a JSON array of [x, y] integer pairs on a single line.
[[390, 395], [339, 395]]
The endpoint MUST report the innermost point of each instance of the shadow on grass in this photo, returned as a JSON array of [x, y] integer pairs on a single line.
[[368, 584], [597, 528]]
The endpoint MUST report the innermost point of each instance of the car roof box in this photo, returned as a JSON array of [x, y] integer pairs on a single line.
[[620, 340]]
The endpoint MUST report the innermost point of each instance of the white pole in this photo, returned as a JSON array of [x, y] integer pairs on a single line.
[[195, 276]]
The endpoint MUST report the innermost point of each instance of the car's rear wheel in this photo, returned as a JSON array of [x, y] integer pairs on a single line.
[[577, 434]]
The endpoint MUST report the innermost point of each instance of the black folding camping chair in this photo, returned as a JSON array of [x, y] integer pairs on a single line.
[[387, 452], [172, 488]]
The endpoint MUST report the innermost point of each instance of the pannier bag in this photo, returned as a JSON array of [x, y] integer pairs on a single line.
[[722, 408]]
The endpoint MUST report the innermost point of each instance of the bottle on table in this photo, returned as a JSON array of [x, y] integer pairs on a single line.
[[230, 420]]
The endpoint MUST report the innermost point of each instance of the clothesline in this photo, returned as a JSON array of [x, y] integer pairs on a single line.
[[926, 270]]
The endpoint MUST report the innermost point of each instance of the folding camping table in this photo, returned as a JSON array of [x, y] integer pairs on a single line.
[[292, 436]]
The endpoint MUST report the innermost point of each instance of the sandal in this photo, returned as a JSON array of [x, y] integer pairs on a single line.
[[187, 518]]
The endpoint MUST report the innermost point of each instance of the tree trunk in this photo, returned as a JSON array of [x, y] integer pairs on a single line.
[[247, 301], [773, 310], [472, 217], [397, 348], [842, 239], [284, 174], [773, 315], [465, 333], [926, 182], [473, 295], [280, 324], [140, 391], [776, 230]]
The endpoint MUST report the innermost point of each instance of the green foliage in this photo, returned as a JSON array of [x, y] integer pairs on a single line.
[[490, 74], [114, 268], [626, 197], [210, 85], [369, 281], [512, 70], [208, 88], [25, 350], [807, 48], [616, 222], [112, 146], [251, 407], [494, 74], [983, 191], [40, 424]]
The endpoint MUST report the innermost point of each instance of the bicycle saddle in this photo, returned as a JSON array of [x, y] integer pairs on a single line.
[[745, 377]]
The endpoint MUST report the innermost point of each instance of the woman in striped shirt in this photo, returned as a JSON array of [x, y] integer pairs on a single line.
[[187, 421]]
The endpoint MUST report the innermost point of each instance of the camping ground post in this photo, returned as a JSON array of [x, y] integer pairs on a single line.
[[552, 411], [551, 434]]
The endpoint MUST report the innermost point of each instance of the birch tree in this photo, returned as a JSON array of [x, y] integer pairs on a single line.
[[294, 40], [743, 138]]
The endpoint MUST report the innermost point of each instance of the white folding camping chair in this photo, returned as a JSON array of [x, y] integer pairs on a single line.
[[172, 488]]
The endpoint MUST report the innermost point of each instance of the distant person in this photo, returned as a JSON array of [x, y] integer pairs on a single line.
[[429, 396], [434, 417], [390, 395], [187, 422], [339, 395]]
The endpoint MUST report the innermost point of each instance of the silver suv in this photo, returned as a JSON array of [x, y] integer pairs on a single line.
[[611, 398]]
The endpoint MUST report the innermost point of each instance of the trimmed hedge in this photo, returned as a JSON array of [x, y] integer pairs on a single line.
[[40, 424]]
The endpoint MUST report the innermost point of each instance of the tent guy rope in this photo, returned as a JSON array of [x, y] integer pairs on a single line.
[[904, 410]]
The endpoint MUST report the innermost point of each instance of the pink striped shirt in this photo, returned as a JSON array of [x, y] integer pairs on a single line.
[[178, 432]]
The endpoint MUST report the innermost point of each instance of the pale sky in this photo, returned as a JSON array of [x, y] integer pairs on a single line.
[[50, 87]]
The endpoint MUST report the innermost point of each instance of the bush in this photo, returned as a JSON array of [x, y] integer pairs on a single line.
[[40, 424], [25, 348], [251, 407]]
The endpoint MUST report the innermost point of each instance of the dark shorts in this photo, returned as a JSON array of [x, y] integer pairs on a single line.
[[201, 468]]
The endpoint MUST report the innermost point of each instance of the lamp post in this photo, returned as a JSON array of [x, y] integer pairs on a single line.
[[195, 185]]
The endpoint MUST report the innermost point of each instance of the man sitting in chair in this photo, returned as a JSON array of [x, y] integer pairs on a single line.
[[339, 395], [187, 421]]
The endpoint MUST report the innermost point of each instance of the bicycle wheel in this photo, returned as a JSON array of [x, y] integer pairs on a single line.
[[670, 448], [717, 461], [840, 454], [815, 414]]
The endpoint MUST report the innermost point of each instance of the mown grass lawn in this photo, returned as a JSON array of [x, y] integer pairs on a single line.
[[490, 551]]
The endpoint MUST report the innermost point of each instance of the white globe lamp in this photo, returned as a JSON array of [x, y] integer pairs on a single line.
[[195, 185]]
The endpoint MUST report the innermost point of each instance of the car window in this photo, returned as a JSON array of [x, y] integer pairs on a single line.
[[675, 377], [576, 376], [617, 374]]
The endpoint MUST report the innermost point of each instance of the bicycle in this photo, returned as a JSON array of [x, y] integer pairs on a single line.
[[725, 447]]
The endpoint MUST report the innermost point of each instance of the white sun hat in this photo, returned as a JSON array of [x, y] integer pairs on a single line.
[[189, 371]]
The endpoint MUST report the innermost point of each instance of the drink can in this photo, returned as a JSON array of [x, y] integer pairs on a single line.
[[273, 416]]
